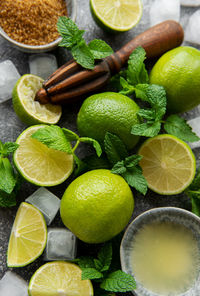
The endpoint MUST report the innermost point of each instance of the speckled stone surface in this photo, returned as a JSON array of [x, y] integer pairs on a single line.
[[11, 127]]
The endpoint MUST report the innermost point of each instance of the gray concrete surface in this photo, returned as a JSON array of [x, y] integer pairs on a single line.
[[11, 127]]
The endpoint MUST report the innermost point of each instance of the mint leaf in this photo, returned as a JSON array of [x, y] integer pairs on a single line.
[[94, 143], [155, 95], [148, 114], [98, 264], [100, 49], [193, 192], [71, 136], [195, 185], [69, 31], [8, 147], [114, 148], [7, 200], [135, 179], [7, 177], [136, 72], [118, 281], [83, 56], [105, 256], [53, 137], [119, 168], [146, 129], [66, 27], [127, 89], [90, 274], [85, 262], [195, 206], [177, 126], [132, 161]]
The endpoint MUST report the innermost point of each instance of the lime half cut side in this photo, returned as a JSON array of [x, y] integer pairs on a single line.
[[168, 164], [59, 278], [30, 111], [117, 15], [39, 164], [28, 236]]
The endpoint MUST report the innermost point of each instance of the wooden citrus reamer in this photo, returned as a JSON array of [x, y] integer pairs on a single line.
[[71, 82]]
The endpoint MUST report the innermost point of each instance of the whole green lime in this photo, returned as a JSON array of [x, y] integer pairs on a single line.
[[108, 112], [178, 71], [97, 206]]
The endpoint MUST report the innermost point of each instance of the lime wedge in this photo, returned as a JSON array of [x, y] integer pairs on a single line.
[[30, 111], [116, 15], [168, 164], [39, 164], [28, 236], [59, 278]]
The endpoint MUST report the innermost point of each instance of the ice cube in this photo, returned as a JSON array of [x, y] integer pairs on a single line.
[[13, 285], [46, 202], [162, 10], [61, 245], [8, 77], [42, 65], [195, 125], [190, 2], [192, 32]]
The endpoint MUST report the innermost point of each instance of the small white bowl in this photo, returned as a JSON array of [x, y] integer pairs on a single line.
[[170, 214], [71, 9]]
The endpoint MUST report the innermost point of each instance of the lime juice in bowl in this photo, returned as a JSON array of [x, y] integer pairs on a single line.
[[161, 249]]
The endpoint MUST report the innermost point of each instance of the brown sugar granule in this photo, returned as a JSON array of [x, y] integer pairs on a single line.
[[32, 22]]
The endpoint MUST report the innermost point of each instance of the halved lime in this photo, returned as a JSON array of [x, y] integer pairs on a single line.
[[28, 236], [168, 164], [59, 278], [116, 15], [39, 164], [30, 111]]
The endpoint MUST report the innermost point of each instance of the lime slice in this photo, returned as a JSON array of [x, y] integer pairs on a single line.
[[116, 15], [30, 111], [168, 164], [39, 164], [59, 278], [28, 236]]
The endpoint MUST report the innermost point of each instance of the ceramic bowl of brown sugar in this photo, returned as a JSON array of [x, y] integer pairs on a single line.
[[30, 25]]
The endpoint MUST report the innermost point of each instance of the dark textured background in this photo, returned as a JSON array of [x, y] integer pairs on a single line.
[[11, 127]]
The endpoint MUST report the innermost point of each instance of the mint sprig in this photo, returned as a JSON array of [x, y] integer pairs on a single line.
[[100, 270], [8, 177], [123, 164], [178, 126], [60, 139], [134, 81], [72, 39], [193, 192]]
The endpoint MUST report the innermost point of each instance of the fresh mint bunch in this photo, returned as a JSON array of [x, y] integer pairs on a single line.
[[193, 192], [9, 184], [123, 164], [101, 271], [72, 39], [60, 139], [135, 81]]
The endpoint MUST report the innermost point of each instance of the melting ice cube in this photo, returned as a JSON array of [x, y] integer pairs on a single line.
[[61, 245], [8, 77], [13, 285], [46, 202], [190, 2], [195, 125], [42, 65], [162, 10], [192, 32]]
